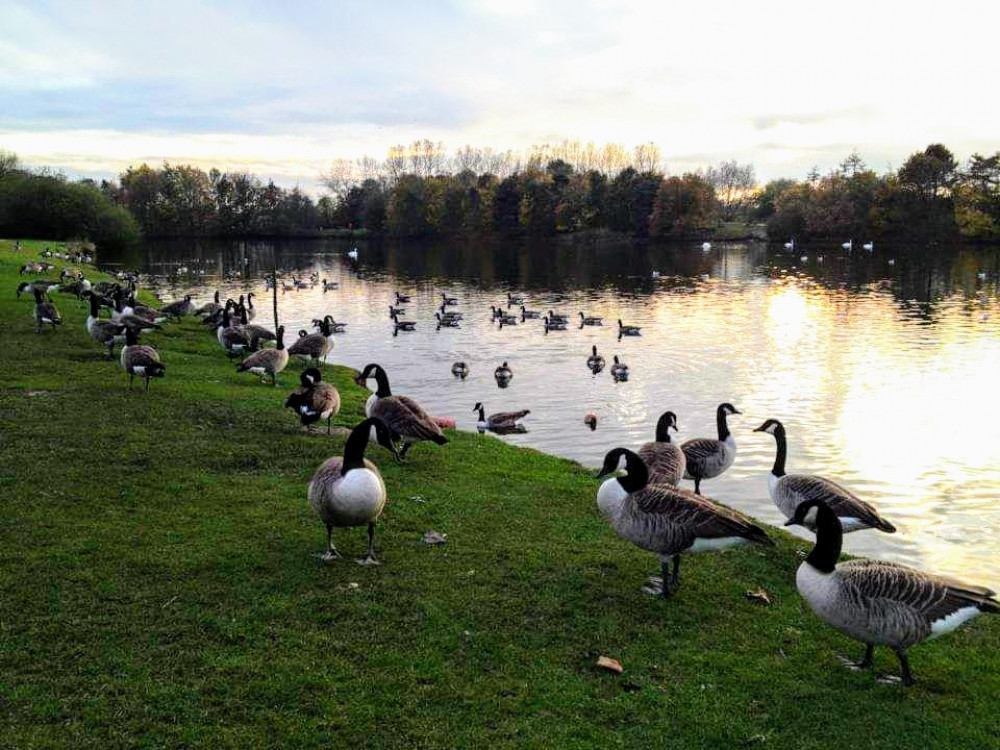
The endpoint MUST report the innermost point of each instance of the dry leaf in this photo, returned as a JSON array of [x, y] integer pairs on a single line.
[[760, 595], [612, 665], [434, 537]]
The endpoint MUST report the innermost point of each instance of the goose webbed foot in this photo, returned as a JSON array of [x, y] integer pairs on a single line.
[[368, 559], [331, 555], [858, 666]]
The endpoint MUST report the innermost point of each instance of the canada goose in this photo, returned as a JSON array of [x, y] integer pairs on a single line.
[[30, 287], [529, 314], [557, 318], [231, 337], [879, 602], [664, 459], [403, 416], [209, 307], [314, 400], [849, 245], [499, 314], [328, 285], [503, 373], [78, 288], [335, 327], [314, 278], [349, 491], [624, 330], [254, 332], [869, 246], [667, 520], [45, 313], [178, 309], [105, 332], [400, 298], [706, 246], [393, 311], [460, 370], [447, 322], [595, 361], [514, 299], [590, 321], [506, 320], [788, 491], [499, 421], [450, 314], [353, 254], [313, 346], [267, 361], [554, 325], [139, 359], [446, 300], [403, 325], [708, 458], [619, 370]]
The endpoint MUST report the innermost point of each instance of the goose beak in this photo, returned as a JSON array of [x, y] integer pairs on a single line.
[[759, 429]]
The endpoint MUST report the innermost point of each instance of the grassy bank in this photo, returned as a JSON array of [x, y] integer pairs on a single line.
[[158, 588]]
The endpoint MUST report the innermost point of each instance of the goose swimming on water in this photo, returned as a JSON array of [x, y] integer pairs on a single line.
[[664, 459], [595, 361], [880, 603], [586, 320], [553, 325], [624, 330], [619, 370], [503, 373], [460, 370], [707, 457], [667, 520], [788, 491], [500, 421]]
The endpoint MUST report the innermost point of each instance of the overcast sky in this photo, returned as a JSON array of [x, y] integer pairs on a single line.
[[283, 87]]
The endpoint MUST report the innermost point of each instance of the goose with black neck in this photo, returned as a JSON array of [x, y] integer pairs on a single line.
[[664, 459], [405, 418], [707, 458]]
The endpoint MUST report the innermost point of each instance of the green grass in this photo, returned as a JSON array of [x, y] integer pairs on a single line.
[[158, 588]]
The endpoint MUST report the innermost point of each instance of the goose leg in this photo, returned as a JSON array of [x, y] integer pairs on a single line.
[[130, 381], [369, 558], [697, 485], [147, 385], [904, 667], [328, 424], [677, 571], [868, 660], [331, 553], [402, 453]]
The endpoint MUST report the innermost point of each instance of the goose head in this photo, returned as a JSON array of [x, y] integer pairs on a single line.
[[771, 427], [728, 410], [666, 422], [636, 473], [310, 377]]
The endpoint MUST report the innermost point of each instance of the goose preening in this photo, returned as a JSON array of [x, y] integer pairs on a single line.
[[45, 313], [849, 245], [667, 520], [400, 298], [178, 309], [329, 285], [664, 460], [348, 490], [231, 337], [267, 361], [595, 361], [503, 373], [624, 330], [708, 458], [586, 320], [446, 300], [447, 322], [869, 246], [353, 254], [314, 400], [526, 314], [105, 332], [405, 418], [788, 491], [140, 360], [313, 346], [402, 325], [460, 370], [553, 325], [880, 603], [619, 370], [502, 421]]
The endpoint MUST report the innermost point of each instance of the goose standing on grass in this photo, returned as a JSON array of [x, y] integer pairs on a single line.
[[619, 370], [256, 333], [624, 330], [45, 313], [880, 603], [595, 361], [586, 320], [139, 359], [105, 332], [178, 309], [664, 459], [313, 346], [314, 400], [404, 417], [267, 361], [460, 370], [789, 491], [349, 491], [667, 520], [500, 421], [210, 308], [231, 338], [708, 458], [503, 374]]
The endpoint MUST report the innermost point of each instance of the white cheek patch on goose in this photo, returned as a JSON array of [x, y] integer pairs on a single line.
[[952, 621]]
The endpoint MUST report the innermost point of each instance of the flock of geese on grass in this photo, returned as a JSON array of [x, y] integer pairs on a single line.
[[874, 602]]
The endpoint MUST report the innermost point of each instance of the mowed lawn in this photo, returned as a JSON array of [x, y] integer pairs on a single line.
[[159, 588]]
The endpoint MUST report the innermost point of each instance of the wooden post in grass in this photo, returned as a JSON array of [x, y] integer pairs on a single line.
[[274, 284]]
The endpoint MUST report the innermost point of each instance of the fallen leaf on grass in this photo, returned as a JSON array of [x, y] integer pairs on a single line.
[[760, 595], [418, 499], [611, 665], [434, 537]]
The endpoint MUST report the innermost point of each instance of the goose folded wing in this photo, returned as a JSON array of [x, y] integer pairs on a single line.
[[702, 517], [934, 597], [142, 356], [264, 358], [323, 397], [700, 449], [404, 416], [503, 417], [843, 502]]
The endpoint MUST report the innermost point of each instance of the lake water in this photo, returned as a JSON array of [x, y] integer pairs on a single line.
[[882, 366]]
